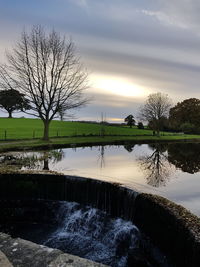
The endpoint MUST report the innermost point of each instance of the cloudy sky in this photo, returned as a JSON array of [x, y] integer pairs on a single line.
[[131, 48]]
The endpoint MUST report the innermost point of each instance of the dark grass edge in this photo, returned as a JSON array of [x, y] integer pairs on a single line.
[[53, 145]]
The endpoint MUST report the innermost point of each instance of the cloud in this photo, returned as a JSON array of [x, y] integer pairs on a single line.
[[111, 105], [81, 3], [151, 43], [178, 13], [165, 18], [168, 74]]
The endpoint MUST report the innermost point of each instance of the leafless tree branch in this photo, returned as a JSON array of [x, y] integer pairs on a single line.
[[46, 70]]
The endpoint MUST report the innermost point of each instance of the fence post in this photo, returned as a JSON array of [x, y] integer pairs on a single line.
[[33, 133], [57, 133], [5, 134]]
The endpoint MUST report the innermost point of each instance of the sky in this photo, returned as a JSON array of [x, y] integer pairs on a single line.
[[131, 48]]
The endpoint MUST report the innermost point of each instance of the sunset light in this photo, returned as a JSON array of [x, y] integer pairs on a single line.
[[100, 133], [118, 86]]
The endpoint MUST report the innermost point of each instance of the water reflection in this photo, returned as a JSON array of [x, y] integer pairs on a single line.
[[30, 160], [129, 147], [52, 157], [170, 170], [101, 157], [185, 156], [158, 162], [156, 166]]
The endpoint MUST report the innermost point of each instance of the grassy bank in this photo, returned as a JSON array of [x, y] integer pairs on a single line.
[[67, 134], [33, 128], [89, 141]]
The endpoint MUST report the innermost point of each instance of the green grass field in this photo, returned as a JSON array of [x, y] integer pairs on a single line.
[[28, 128], [75, 133]]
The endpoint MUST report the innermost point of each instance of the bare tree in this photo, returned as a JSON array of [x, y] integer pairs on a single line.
[[45, 69], [155, 110], [156, 166]]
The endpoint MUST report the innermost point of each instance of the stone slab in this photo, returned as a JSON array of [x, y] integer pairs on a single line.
[[4, 262], [67, 260], [17, 252]]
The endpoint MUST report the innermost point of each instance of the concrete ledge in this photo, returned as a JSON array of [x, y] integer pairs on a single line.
[[21, 253]]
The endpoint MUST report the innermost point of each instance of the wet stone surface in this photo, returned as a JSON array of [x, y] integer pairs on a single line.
[[4, 262], [20, 253]]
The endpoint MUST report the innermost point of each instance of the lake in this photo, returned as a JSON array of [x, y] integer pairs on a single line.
[[170, 170]]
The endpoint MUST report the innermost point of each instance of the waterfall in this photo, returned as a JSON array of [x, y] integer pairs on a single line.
[[169, 226], [92, 234]]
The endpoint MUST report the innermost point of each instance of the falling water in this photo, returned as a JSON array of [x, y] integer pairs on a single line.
[[92, 234]]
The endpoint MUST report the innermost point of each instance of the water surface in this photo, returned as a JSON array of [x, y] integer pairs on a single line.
[[169, 170]]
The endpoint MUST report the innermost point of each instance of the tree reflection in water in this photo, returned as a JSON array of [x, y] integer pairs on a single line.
[[156, 166], [101, 156], [30, 160], [52, 157], [185, 156], [129, 147]]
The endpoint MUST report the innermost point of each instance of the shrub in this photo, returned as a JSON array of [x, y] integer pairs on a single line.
[[188, 128], [140, 125]]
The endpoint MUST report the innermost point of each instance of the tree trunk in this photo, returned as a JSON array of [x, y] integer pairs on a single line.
[[158, 127], [46, 161], [46, 130], [10, 114], [46, 164]]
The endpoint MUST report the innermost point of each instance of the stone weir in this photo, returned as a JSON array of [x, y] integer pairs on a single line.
[[169, 226]]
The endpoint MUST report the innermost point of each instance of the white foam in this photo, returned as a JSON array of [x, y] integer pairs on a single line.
[[90, 233]]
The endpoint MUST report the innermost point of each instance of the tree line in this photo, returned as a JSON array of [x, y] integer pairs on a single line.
[[160, 115]]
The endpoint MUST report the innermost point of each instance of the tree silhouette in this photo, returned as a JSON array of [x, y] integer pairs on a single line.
[[101, 157], [12, 101], [130, 121], [156, 166], [140, 125], [187, 111], [43, 66], [155, 110], [185, 157], [51, 157], [129, 147], [31, 161]]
